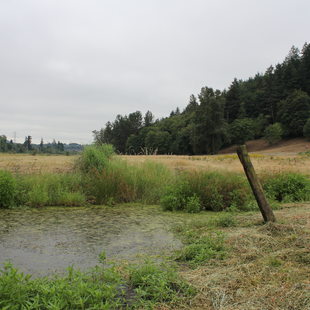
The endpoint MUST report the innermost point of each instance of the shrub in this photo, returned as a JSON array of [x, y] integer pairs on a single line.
[[287, 187], [193, 204], [7, 189], [273, 133], [95, 158]]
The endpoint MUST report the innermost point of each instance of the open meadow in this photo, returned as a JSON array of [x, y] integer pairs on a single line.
[[263, 163]]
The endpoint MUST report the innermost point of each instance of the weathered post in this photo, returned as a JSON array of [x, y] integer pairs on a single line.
[[255, 184]]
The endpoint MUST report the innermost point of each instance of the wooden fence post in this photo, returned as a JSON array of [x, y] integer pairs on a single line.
[[255, 184]]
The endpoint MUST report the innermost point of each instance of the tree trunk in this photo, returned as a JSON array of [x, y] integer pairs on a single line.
[[255, 184]]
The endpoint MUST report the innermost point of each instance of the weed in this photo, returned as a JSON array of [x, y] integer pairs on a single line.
[[158, 283], [200, 249], [99, 288], [225, 220], [7, 189]]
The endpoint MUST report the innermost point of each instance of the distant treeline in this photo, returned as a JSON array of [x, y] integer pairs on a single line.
[[273, 105], [28, 147]]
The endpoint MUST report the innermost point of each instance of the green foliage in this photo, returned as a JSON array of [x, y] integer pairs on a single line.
[[50, 190], [273, 133], [242, 130], [294, 112], [123, 182], [7, 189], [96, 290], [193, 204], [201, 248], [158, 283], [95, 158], [209, 126], [158, 141], [287, 187], [306, 129], [210, 190], [140, 287]]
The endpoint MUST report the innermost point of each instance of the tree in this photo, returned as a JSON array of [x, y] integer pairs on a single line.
[[233, 101], [41, 146], [241, 130], [273, 133], [148, 119], [209, 131], [3, 143], [293, 113], [27, 143], [306, 129], [158, 140]]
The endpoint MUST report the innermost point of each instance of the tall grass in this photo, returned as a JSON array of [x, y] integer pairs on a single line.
[[100, 177], [50, 189], [122, 182], [213, 191]]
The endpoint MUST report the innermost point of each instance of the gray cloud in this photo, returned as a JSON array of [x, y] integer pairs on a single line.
[[67, 67]]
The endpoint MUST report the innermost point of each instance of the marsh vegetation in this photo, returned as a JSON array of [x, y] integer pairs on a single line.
[[165, 237]]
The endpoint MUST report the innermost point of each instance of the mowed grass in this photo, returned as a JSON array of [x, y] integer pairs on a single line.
[[29, 164], [257, 266]]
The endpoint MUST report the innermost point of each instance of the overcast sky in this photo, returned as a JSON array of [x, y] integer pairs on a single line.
[[69, 66]]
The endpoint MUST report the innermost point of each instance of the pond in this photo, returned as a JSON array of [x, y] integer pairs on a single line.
[[48, 240]]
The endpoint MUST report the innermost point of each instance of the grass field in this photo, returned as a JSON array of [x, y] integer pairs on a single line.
[[264, 163]]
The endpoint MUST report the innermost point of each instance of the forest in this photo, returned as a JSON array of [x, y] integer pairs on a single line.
[[274, 105]]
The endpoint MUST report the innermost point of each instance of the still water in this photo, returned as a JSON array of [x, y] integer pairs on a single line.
[[48, 240]]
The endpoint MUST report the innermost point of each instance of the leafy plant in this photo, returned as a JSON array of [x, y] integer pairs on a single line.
[[287, 187]]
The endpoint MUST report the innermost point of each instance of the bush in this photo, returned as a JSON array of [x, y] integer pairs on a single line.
[[193, 204], [95, 158], [306, 129], [273, 133], [213, 191], [287, 187], [7, 189]]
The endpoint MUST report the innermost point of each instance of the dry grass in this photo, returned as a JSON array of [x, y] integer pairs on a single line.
[[28, 164], [25, 163], [230, 162], [267, 268]]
